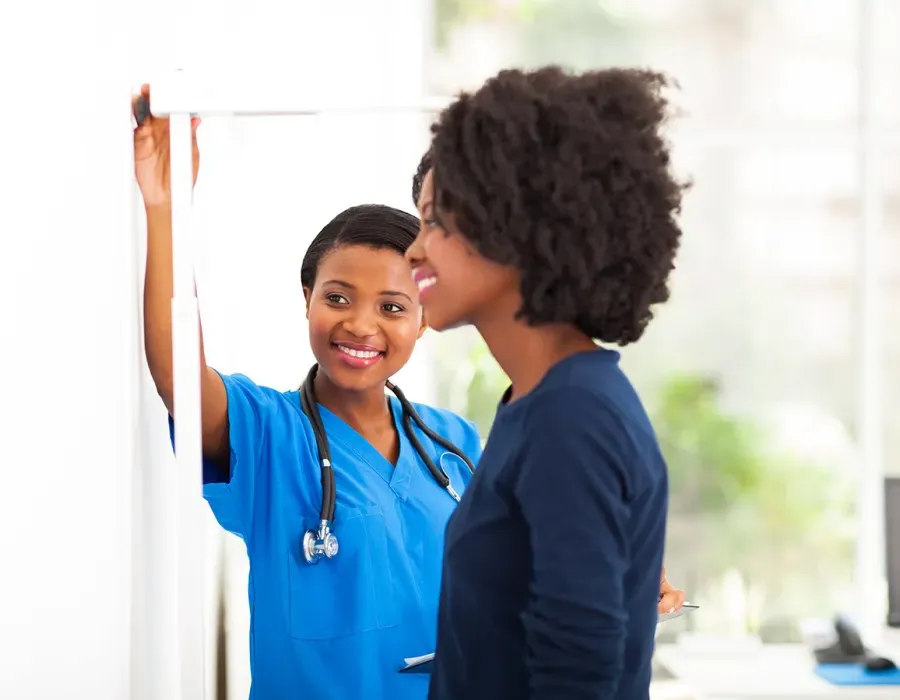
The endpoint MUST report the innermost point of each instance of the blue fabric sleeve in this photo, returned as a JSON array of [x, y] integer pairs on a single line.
[[571, 487], [251, 413]]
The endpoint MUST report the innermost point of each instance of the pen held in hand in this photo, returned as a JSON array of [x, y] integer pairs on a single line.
[[141, 110]]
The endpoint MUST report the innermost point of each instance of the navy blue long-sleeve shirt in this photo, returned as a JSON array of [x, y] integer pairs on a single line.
[[552, 560]]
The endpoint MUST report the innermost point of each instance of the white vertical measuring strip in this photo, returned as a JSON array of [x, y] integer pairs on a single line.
[[870, 571], [188, 441], [155, 674]]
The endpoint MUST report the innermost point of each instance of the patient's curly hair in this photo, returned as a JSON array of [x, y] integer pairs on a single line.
[[567, 178], [419, 177]]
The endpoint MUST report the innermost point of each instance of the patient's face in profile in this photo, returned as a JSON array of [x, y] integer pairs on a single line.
[[456, 283]]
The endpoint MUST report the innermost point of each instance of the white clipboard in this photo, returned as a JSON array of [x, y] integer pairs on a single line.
[[418, 664], [685, 609]]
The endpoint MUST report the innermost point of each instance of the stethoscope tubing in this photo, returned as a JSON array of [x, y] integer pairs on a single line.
[[321, 542]]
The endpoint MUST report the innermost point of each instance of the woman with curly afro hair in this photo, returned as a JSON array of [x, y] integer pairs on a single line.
[[549, 222]]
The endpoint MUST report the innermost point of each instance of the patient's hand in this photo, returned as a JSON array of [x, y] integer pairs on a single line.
[[671, 598]]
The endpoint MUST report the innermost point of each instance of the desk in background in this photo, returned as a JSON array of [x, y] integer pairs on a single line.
[[771, 672]]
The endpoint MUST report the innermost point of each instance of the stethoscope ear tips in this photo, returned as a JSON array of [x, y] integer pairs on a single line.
[[320, 544]]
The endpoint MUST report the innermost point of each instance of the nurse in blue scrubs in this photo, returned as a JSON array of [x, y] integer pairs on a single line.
[[327, 622]]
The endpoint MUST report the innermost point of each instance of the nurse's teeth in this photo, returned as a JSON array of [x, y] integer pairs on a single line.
[[426, 283], [365, 354]]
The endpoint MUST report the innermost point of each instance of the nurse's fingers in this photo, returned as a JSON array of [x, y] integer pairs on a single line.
[[672, 600]]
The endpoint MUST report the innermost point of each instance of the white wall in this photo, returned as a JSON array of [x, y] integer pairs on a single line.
[[69, 417], [85, 503]]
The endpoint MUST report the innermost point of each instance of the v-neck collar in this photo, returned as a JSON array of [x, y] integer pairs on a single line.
[[397, 477]]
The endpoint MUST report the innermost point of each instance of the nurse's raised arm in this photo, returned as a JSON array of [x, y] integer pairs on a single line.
[[151, 166], [235, 412]]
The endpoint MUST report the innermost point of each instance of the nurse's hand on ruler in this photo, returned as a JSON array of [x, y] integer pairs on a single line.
[[151, 167], [151, 155], [670, 598]]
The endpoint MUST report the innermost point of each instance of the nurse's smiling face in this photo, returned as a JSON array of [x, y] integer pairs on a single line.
[[364, 315]]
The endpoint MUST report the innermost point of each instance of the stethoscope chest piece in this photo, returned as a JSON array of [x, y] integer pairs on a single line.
[[320, 544]]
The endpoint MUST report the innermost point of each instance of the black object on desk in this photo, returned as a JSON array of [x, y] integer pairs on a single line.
[[849, 649], [876, 664]]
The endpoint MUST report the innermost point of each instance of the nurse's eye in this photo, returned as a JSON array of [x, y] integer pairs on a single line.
[[336, 299], [393, 308]]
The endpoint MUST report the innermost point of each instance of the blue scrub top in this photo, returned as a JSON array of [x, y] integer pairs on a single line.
[[340, 629]]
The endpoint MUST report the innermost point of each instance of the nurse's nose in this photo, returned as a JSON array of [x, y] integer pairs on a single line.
[[362, 324]]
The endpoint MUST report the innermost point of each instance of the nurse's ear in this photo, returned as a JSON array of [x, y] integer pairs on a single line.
[[423, 326], [307, 294]]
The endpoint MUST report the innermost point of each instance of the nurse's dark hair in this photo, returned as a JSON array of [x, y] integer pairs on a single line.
[[371, 225], [567, 177]]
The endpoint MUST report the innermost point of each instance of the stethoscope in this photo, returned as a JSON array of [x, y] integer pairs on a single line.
[[321, 542]]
